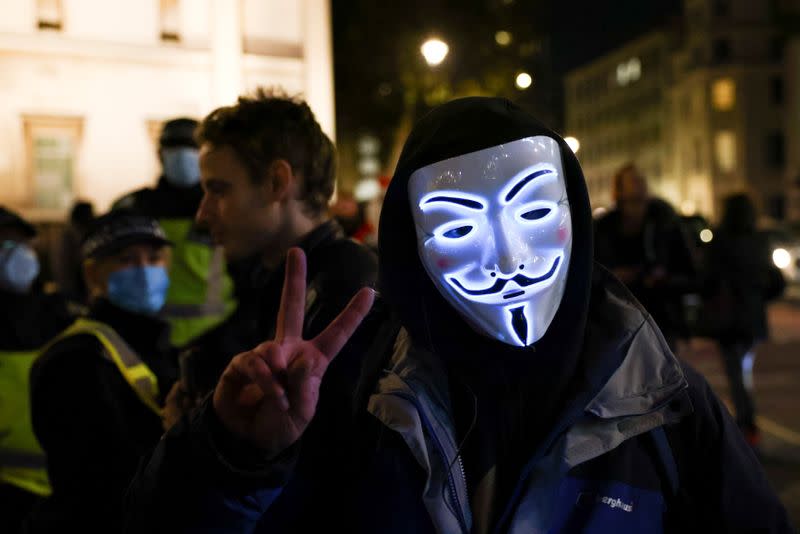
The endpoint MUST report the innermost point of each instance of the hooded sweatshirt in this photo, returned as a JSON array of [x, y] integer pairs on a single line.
[[504, 398]]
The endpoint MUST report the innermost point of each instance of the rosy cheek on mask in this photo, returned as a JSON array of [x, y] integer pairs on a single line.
[[563, 235]]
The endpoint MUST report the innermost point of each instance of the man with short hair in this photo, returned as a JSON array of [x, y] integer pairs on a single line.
[[268, 173]]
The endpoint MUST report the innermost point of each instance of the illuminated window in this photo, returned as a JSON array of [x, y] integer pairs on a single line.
[[52, 150], [49, 14], [725, 150], [723, 94], [170, 20], [629, 71]]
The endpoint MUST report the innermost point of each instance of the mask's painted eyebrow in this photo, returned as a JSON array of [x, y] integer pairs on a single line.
[[467, 203], [525, 181]]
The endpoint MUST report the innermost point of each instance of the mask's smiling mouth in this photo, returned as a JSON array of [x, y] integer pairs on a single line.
[[520, 279]]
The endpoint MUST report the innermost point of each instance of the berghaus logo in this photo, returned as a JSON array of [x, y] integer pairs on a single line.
[[615, 503]]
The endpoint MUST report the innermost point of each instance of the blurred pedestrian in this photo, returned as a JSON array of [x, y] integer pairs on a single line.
[[740, 274], [29, 318], [97, 390], [201, 292], [642, 242]]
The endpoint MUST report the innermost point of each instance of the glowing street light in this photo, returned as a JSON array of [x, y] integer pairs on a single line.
[[434, 51], [573, 143], [524, 80], [503, 38]]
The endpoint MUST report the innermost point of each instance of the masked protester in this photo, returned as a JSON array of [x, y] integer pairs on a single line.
[[201, 291], [96, 391], [527, 391], [29, 318]]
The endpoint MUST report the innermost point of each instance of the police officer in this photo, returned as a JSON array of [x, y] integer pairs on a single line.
[[96, 390], [201, 293], [28, 320]]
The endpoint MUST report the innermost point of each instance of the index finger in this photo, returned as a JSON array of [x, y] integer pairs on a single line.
[[331, 340], [292, 310]]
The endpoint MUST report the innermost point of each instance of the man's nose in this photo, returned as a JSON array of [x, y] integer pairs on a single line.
[[506, 259], [202, 211]]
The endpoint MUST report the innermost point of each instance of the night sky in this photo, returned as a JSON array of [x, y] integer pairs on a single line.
[[377, 61]]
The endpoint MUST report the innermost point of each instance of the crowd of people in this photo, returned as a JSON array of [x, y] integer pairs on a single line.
[[503, 363]]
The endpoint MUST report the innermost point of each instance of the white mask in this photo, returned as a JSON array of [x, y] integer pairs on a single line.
[[494, 233]]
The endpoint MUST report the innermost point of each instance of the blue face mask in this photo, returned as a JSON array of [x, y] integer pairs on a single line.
[[181, 166], [139, 289], [19, 267]]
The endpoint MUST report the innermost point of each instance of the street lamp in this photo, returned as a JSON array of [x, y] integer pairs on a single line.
[[524, 80], [573, 143], [434, 51]]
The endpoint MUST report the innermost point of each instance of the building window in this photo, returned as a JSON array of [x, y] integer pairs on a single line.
[[49, 14], [170, 20], [723, 94], [721, 50], [776, 90], [52, 145], [775, 150], [725, 150]]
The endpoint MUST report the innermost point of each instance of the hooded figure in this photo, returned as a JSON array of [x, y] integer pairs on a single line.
[[525, 390]]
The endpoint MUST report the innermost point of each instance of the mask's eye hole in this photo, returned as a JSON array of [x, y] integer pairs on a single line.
[[535, 214], [455, 233]]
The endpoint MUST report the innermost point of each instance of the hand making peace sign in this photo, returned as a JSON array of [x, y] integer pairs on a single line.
[[268, 395]]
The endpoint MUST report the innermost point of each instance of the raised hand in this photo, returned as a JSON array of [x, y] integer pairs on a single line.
[[268, 395]]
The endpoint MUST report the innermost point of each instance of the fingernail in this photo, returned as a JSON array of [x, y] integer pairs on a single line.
[[283, 403]]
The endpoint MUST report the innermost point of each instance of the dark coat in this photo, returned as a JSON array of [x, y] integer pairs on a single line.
[[91, 424]]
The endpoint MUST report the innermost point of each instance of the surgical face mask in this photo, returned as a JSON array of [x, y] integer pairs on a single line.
[[181, 166], [139, 289], [19, 267], [494, 233]]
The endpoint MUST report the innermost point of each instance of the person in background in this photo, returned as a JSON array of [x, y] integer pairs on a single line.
[[66, 263], [739, 269], [97, 389], [201, 291], [29, 319], [642, 242]]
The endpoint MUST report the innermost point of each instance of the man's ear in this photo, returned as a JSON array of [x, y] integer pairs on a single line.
[[280, 180]]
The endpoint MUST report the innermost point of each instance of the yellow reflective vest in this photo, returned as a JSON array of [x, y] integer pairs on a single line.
[[200, 294], [22, 461]]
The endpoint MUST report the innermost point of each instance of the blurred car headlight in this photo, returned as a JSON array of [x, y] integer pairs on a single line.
[[781, 258]]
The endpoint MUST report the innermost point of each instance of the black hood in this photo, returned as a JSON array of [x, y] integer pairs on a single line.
[[504, 399], [460, 127]]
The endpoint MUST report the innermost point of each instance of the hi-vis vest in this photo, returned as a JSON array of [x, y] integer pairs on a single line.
[[22, 461], [200, 294]]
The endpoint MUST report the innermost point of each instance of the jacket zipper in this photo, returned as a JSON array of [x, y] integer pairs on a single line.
[[450, 480]]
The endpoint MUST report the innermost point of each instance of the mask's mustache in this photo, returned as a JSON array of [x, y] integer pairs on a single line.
[[520, 279]]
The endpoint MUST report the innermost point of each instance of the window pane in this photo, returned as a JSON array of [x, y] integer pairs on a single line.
[[723, 94]]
